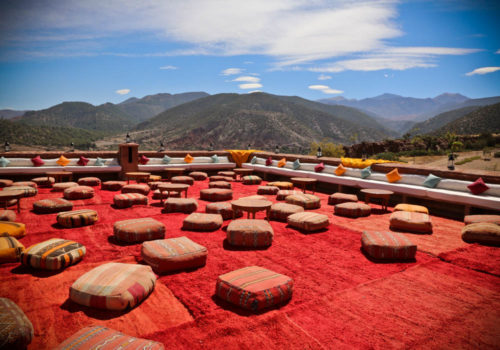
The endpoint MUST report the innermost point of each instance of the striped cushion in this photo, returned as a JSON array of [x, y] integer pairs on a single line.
[[126, 200], [44, 181], [172, 254], [482, 232], [16, 330], [282, 185], [78, 192], [10, 249], [138, 230], [306, 201], [113, 286], [387, 245], [225, 209], [113, 185], [227, 173], [53, 254], [25, 183], [219, 184], [182, 205], [338, 198], [472, 219], [254, 288], [255, 196], [13, 229], [28, 190], [250, 233], [251, 180], [216, 194], [411, 207], [282, 194], [267, 190], [7, 215], [182, 180], [202, 222], [308, 221], [89, 181], [220, 178], [77, 218], [61, 186], [281, 211], [165, 194], [52, 205], [410, 221], [136, 188], [352, 210], [102, 338], [198, 175], [5, 183]]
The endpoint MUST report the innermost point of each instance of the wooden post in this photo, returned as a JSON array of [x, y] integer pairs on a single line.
[[128, 156]]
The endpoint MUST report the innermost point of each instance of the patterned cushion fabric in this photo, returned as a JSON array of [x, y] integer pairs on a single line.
[[82, 161], [165, 255], [411, 207], [52, 205], [483, 233], [99, 337], [10, 250], [339, 197], [181, 205], [306, 201], [53, 254], [138, 230], [44, 181], [16, 330], [182, 180], [198, 175], [352, 210], [393, 176], [282, 194], [188, 158], [25, 183], [387, 245], [267, 190], [227, 173], [202, 222], [113, 286], [216, 194], [77, 218], [78, 192], [410, 221], [478, 186], [136, 188], [63, 161], [254, 288], [251, 233], [225, 209], [61, 186], [89, 181], [29, 191], [13, 229], [37, 161], [113, 185], [7, 215], [308, 221], [165, 194], [219, 184], [126, 200], [220, 178], [472, 219], [282, 185], [5, 183], [251, 180], [281, 211]]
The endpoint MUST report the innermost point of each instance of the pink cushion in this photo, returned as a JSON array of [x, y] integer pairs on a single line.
[[143, 159], [269, 161], [319, 168], [82, 161], [478, 186], [37, 161]]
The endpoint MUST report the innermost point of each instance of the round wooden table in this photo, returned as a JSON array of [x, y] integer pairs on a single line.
[[242, 172], [174, 172], [251, 206], [7, 195], [302, 182], [137, 176], [172, 187], [383, 195], [60, 175]]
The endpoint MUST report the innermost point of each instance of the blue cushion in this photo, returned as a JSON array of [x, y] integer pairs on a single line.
[[431, 181], [215, 158], [4, 162], [366, 172], [100, 161], [296, 164], [166, 159], [254, 160]]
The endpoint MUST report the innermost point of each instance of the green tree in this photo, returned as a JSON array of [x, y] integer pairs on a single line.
[[329, 149]]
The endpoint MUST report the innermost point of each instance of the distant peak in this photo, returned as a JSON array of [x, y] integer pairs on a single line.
[[386, 96]]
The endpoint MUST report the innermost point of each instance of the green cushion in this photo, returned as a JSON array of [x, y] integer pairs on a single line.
[[254, 160], [4, 162], [432, 181], [366, 172], [100, 161], [296, 164], [166, 159], [215, 158]]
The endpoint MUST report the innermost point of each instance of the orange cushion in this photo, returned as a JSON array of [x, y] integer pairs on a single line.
[[393, 176], [62, 161], [282, 163], [340, 170], [188, 158]]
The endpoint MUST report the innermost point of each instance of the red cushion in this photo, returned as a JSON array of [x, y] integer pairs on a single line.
[[319, 168], [478, 186], [37, 161], [143, 159], [269, 161], [82, 161]]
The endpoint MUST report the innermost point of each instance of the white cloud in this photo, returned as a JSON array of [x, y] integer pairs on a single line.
[[325, 89], [498, 52], [332, 91], [169, 67], [251, 92], [483, 70], [250, 86], [248, 79], [324, 77], [318, 87], [122, 91], [232, 71]]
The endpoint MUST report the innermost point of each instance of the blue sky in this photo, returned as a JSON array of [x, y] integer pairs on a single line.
[[101, 51]]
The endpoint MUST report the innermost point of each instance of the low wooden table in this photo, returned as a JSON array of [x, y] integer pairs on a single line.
[[242, 172], [174, 172], [60, 175], [137, 176], [383, 195], [251, 206], [7, 195], [302, 182], [172, 187]]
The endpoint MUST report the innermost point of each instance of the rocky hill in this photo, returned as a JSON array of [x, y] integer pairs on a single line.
[[433, 124], [482, 120]]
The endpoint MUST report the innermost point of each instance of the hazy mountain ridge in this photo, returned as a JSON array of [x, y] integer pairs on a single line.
[[10, 113], [440, 120], [482, 120]]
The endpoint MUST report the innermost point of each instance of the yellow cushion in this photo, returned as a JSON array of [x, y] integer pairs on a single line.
[[411, 207], [393, 176], [340, 170], [10, 249], [188, 158], [282, 163], [13, 229], [63, 161]]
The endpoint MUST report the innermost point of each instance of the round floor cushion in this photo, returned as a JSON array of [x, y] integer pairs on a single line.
[[165, 255], [138, 230], [16, 330], [252, 233], [227, 173], [25, 183], [89, 181], [198, 175], [281, 211], [202, 222], [472, 219], [182, 180], [136, 188], [220, 178], [219, 184], [251, 180], [61, 186], [13, 229], [255, 196], [53, 254], [7, 215], [10, 250], [254, 288], [267, 190], [225, 209], [338, 198], [78, 192], [157, 194], [486, 233], [29, 191], [113, 286], [282, 194], [411, 207], [126, 200], [306, 201], [52, 205], [44, 181], [352, 210], [113, 185], [5, 183], [216, 194], [282, 185], [77, 218], [410, 221], [386, 245], [181, 205], [308, 221]]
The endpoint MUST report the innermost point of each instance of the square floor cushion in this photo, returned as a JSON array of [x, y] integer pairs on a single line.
[[282, 194], [216, 194], [202, 222], [252, 233], [281, 211], [182, 180], [52, 205], [61, 186], [411, 207], [16, 330], [251, 180], [53, 254], [410, 221], [198, 175], [306, 201], [10, 249], [472, 219], [486, 233], [13, 229], [308, 221], [385, 245], [282, 185], [225, 209], [89, 181], [352, 210], [136, 188], [138, 230], [113, 185], [219, 184], [77, 218], [338, 198], [79, 192], [181, 205], [126, 200], [267, 190]]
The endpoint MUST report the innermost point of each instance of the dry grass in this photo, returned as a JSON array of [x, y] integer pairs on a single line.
[[441, 162]]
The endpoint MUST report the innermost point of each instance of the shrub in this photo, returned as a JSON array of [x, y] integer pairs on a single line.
[[329, 149], [387, 156]]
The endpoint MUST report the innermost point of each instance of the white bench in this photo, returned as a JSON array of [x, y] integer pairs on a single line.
[[198, 163], [21, 166]]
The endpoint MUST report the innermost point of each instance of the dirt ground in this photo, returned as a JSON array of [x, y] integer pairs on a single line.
[[441, 162]]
